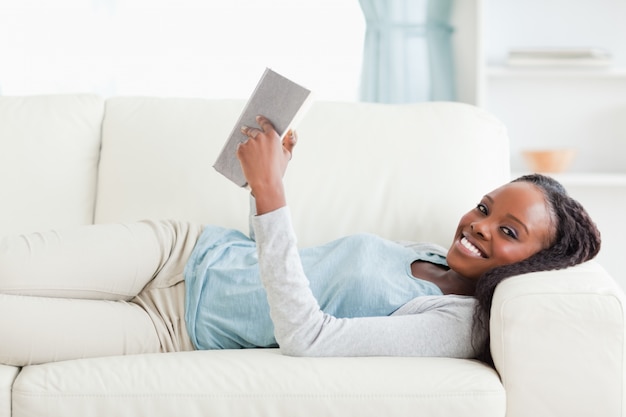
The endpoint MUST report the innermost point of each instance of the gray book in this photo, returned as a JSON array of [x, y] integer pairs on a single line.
[[275, 97]]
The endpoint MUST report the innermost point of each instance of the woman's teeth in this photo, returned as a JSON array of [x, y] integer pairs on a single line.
[[466, 243]]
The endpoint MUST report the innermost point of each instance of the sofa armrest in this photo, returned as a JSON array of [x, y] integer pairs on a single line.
[[557, 340]]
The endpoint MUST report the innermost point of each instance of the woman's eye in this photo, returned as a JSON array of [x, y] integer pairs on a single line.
[[509, 232], [482, 208]]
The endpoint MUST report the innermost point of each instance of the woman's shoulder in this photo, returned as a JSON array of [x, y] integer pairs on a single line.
[[459, 304], [424, 247]]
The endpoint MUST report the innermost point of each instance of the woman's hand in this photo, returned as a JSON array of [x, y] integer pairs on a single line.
[[264, 160]]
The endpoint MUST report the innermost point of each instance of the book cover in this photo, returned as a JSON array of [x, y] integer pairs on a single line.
[[279, 99]]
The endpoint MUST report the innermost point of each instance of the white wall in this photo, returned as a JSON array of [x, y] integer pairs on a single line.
[[467, 41], [197, 48]]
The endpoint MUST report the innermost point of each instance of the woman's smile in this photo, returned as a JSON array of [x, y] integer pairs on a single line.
[[471, 248]]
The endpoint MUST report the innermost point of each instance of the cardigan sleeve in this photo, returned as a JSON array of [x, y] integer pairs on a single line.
[[251, 216], [426, 326]]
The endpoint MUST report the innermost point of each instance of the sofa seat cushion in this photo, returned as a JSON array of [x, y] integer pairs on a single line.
[[258, 382]]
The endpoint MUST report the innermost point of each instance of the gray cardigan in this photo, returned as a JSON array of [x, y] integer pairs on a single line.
[[425, 326]]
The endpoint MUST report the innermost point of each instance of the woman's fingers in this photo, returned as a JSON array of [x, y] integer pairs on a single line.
[[250, 132], [267, 128], [289, 141], [265, 124]]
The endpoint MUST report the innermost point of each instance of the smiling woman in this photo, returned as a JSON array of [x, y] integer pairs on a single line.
[[212, 49]]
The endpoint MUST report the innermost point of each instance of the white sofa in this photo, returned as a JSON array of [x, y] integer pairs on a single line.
[[405, 172]]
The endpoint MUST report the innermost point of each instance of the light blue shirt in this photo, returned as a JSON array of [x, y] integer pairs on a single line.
[[357, 276]]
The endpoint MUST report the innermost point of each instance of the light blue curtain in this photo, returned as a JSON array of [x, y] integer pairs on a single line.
[[408, 51]]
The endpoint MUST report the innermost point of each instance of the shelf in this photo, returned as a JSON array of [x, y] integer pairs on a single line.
[[587, 179], [558, 72]]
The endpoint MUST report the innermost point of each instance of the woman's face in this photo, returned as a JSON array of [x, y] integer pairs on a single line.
[[509, 224]]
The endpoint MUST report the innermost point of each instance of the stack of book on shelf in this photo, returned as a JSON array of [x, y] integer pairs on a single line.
[[559, 57]]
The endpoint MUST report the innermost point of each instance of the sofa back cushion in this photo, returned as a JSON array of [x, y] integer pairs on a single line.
[[49, 150], [156, 161], [406, 172]]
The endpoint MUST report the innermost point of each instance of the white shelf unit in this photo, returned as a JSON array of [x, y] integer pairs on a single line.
[[593, 179], [555, 107], [584, 108], [585, 179], [552, 72]]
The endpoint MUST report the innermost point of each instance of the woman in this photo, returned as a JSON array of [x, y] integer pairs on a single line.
[[171, 286], [528, 225]]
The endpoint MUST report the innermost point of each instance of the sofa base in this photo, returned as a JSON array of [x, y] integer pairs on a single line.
[[7, 377], [257, 382]]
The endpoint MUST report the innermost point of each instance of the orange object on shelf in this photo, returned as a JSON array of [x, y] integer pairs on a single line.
[[549, 160]]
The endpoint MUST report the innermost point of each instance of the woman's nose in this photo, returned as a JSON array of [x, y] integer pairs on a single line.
[[480, 229]]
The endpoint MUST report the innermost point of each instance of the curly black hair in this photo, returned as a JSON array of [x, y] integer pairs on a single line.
[[575, 239]]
